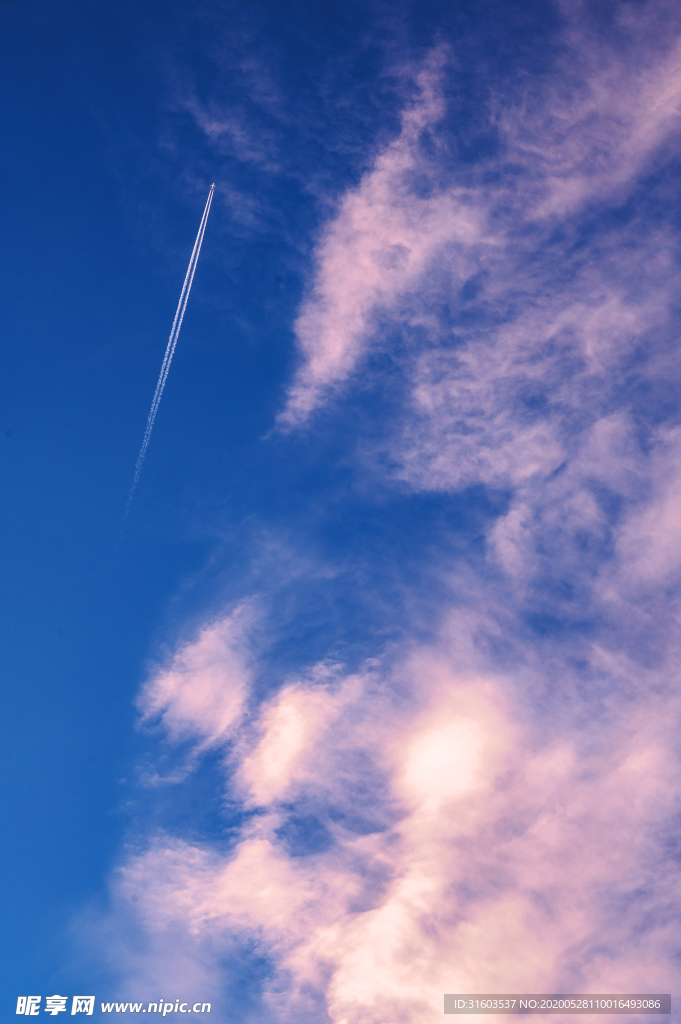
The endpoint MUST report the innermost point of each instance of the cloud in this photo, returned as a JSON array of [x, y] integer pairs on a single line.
[[384, 238], [280, 756], [579, 139], [613, 108], [231, 132], [514, 860], [201, 694], [648, 542], [493, 806]]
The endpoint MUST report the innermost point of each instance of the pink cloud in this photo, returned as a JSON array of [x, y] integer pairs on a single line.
[[514, 806], [384, 238], [649, 542], [279, 757], [517, 862], [201, 693], [570, 145], [620, 103]]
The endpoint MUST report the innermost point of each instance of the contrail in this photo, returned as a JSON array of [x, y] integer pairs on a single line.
[[170, 349]]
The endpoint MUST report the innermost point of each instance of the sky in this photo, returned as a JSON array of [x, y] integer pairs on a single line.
[[373, 695]]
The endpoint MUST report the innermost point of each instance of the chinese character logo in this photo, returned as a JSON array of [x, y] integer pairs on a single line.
[[83, 1004], [29, 1005], [55, 1005]]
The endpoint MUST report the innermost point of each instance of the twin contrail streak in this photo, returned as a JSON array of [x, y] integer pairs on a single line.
[[170, 348]]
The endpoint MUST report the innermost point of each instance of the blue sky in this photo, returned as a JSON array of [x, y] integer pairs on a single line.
[[376, 697]]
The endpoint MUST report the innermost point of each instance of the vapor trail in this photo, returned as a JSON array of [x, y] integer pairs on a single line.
[[170, 348]]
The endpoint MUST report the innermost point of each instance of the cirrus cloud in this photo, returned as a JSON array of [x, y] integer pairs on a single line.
[[494, 806]]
